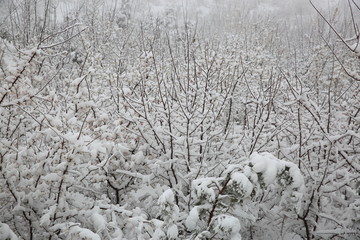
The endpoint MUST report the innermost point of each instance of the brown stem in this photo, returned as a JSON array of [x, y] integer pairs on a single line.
[[211, 215]]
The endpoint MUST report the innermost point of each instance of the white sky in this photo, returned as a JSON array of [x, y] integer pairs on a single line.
[[281, 9]]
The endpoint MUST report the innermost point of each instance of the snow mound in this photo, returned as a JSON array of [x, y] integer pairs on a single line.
[[227, 227], [6, 232]]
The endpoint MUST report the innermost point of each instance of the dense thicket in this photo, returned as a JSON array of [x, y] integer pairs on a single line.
[[159, 125]]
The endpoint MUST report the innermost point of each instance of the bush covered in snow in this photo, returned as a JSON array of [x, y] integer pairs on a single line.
[[120, 125]]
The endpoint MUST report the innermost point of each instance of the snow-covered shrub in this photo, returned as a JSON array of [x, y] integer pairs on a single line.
[[226, 199], [115, 129]]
